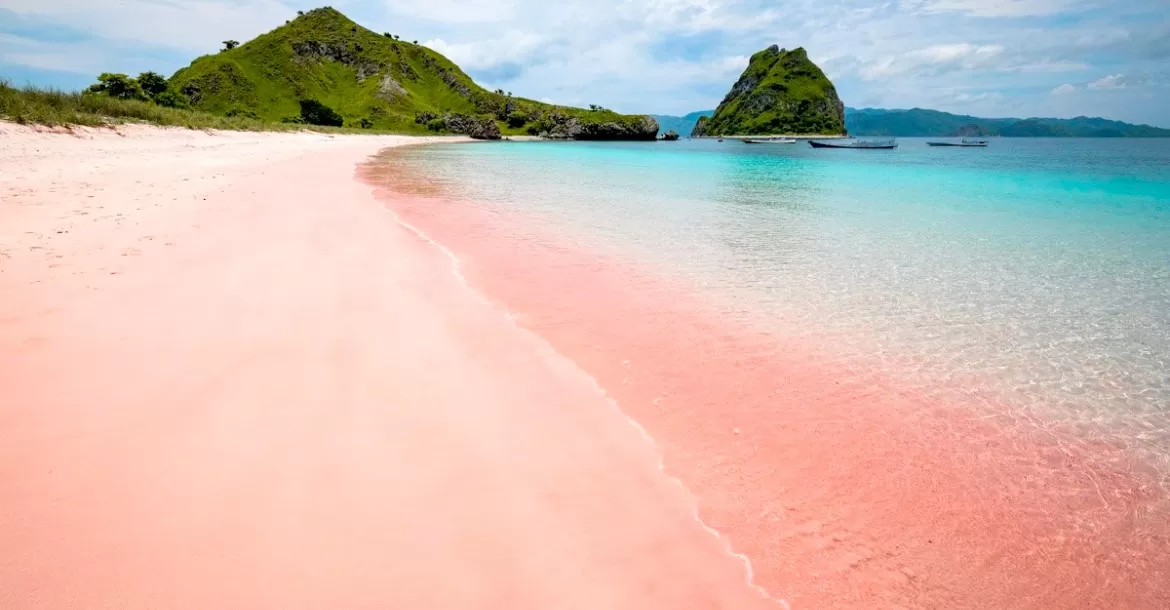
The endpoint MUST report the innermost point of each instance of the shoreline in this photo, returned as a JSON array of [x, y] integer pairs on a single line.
[[232, 378], [842, 488]]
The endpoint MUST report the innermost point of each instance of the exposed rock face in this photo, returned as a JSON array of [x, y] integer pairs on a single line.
[[313, 50], [480, 128], [388, 88], [780, 92]]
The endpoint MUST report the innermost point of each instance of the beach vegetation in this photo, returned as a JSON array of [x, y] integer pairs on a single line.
[[315, 113], [30, 105], [517, 119], [119, 86]]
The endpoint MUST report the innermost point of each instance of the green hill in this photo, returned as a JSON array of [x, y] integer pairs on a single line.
[[780, 92], [919, 122], [376, 81]]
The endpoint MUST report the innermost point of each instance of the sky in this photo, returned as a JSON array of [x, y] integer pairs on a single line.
[[1022, 58]]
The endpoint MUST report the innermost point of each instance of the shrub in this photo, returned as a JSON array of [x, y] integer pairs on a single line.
[[152, 83], [228, 45], [366, 123], [517, 119], [169, 99], [316, 113], [118, 86], [424, 117], [436, 124], [533, 129]]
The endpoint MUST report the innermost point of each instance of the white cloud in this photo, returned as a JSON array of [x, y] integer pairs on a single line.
[[968, 98], [934, 59], [512, 46], [1064, 89], [193, 25], [993, 8], [1113, 81], [458, 11]]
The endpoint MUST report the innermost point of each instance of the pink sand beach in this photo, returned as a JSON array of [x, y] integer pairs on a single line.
[[230, 379], [261, 371]]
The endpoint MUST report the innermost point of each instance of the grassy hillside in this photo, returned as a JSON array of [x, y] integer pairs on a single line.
[[36, 106], [780, 92], [373, 79], [921, 122]]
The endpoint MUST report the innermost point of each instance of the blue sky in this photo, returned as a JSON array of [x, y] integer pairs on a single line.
[[985, 57]]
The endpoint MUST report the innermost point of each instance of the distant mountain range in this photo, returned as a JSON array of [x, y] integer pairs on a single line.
[[682, 125], [922, 122]]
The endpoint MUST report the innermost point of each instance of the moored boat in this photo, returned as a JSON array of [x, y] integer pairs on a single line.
[[769, 140], [852, 143], [964, 143]]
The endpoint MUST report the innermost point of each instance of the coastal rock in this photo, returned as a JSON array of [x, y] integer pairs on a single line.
[[780, 92], [626, 128], [480, 128]]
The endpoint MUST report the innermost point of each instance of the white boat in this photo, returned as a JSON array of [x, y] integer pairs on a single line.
[[852, 143], [964, 143], [769, 140]]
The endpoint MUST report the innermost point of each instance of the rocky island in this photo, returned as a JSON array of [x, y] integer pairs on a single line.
[[780, 93]]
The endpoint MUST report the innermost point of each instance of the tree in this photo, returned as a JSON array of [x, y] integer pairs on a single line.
[[517, 119], [118, 86], [416, 42], [228, 45], [316, 113], [300, 13], [387, 34], [152, 83]]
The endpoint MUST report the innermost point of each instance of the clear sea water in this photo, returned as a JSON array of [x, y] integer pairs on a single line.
[[1034, 273]]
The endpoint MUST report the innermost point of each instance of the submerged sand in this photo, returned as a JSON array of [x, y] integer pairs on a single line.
[[229, 378]]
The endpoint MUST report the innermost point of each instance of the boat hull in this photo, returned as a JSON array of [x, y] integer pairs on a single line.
[[816, 144]]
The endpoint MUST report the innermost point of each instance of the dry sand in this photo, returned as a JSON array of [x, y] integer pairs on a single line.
[[230, 379]]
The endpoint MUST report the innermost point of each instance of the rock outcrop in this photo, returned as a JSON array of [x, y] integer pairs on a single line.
[[780, 92], [480, 128]]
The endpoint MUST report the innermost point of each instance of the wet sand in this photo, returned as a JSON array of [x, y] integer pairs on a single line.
[[230, 379], [844, 489]]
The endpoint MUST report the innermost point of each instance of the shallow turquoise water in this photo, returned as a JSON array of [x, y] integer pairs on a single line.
[[1034, 274]]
